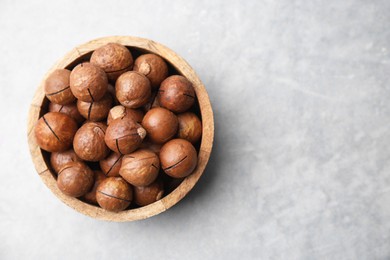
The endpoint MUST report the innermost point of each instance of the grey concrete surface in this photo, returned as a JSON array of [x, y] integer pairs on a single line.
[[301, 165]]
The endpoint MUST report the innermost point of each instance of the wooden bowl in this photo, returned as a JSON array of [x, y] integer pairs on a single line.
[[41, 158]]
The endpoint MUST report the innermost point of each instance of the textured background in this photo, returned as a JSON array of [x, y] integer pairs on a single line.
[[300, 91]]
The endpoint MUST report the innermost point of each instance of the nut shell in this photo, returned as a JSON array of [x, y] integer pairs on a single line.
[[88, 82], [190, 127], [59, 159], [140, 168], [114, 194], [75, 179], [95, 111], [89, 142], [133, 89], [111, 165], [124, 135], [54, 132], [153, 67], [176, 93], [178, 158], [147, 195], [57, 87], [160, 124], [121, 111], [90, 197], [70, 110], [113, 58]]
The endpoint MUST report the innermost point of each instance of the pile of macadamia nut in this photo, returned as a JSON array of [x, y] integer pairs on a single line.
[[119, 147]]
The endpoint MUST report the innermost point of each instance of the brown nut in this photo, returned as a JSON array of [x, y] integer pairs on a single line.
[[89, 143], [88, 82], [113, 58], [75, 179], [176, 94], [111, 165], [153, 67], [178, 158], [124, 135], [90, 197], [133, 89], [140, 168], [121, 111], [70, 110], [59, 159], [54, 132], [95, 111], [147, 195], [114, 194], [160, 124], [190, 127], [57, 87]]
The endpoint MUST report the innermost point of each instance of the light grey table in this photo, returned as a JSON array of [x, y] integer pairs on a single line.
[[301, 165]]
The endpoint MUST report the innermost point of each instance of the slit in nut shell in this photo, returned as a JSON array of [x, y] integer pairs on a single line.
[[140, 168], [88, 82], [54, 132], [124, 135], [111, 165], [75, 179], [57, 88], [178, 158], [114, 194], [113, 58], [176, 93]]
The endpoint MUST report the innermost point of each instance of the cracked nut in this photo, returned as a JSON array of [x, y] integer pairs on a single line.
[[160, 124], [75, 179], [124, 135], [153, 67], [95, 111], [54, 132], [133, 89], [59, 159], [140, 168], [88, 82], [176, 93], [178, 158], [57, 87], [111, 165], [147, 195], [114, 194], [89, 143], [113, 58]]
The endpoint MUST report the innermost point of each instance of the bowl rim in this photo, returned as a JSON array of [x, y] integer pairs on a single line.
[[204, 151]]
